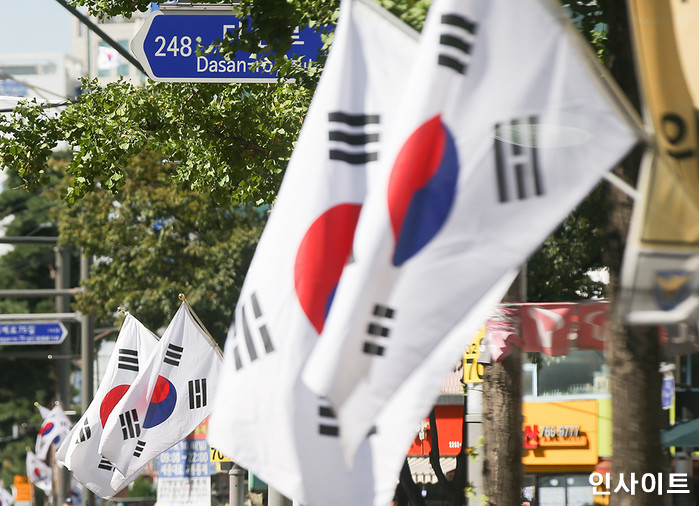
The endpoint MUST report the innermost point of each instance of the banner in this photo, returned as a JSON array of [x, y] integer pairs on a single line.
[[660, 279], [184, 472], [546, 328]]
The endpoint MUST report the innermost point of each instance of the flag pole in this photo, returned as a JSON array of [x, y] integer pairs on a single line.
[[204, 330]]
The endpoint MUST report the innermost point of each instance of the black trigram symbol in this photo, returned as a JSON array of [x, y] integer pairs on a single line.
[[173, 355], [140, 446], [197, 393], [85, 432], [129, 424], [328, 425], [106, 465], [355, 137], [259, 329], [128, 359], [516, 160], [455, 48], [377, 329]]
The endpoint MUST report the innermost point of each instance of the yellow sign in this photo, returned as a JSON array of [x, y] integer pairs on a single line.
[[23, 488], [217, 456], [560, 433], [473, 371]]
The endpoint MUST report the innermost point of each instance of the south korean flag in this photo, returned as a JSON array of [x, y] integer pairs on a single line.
[[79, 452], [168, 399]]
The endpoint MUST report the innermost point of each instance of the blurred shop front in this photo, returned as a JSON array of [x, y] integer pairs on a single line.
[[563, 443], [449, 419]]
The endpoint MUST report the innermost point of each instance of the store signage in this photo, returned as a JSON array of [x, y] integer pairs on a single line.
[[473, 371], [560, 433], [449, 420], [547, 436]]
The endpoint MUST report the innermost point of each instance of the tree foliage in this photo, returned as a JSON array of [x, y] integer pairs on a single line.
[[560, 270], [155, 240], [230, 141]]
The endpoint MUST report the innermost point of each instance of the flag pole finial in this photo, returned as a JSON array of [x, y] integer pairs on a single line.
[[36, 404], [121, 310], [182, 297]]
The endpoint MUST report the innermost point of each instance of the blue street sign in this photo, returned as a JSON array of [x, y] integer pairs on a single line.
[[166, 46], [32, 333]]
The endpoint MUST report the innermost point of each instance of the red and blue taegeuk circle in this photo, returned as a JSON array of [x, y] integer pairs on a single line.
[[162, 403], [422, 188]]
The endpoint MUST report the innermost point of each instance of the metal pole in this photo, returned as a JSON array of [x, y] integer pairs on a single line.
[[63, 366], [474, 422], [101, 33], [87, 352], [236, 479], [274, 498]]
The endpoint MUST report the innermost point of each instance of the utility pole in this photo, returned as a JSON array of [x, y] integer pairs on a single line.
[[64, 355], [87, 353], [63, 364]]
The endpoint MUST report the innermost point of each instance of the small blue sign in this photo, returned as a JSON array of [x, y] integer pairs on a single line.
[[32, 333], [167, 45], [187, 459], [12, 88], [667, 392]]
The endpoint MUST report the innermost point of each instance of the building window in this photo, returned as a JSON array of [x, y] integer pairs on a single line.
[[563, 490], [580, 373]]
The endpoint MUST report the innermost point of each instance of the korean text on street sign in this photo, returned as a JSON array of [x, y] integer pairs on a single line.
[[166, 46], [32, 333]]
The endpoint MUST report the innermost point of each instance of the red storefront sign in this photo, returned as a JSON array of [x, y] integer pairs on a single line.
[[449, 426]]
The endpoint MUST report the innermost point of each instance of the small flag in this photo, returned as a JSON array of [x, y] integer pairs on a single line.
[[108, 58], [79, 452], [6, 498], [39, 472], [53, 430], [168, 398]]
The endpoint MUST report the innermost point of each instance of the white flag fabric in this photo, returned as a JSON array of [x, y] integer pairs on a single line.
[[167, 400], [264, 418], [506, 127], [79, 452], [39, 472], [53, 430], [6, 498]]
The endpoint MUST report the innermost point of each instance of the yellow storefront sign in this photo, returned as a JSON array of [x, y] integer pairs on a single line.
[[473, 371], [217, 456], [560, 433]]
